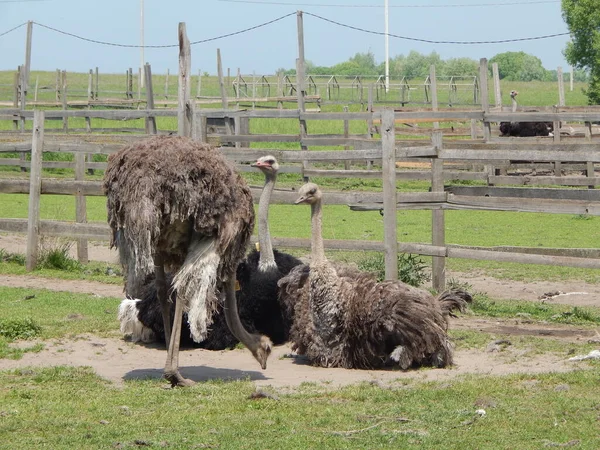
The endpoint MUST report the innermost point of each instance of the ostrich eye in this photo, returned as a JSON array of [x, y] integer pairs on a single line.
[[312, 191], [270, 161]]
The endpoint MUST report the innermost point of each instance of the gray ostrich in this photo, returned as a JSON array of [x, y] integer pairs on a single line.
[[346, 318], [177, 204]]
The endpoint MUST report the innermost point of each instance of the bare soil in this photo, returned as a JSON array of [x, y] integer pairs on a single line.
[[117, 359]]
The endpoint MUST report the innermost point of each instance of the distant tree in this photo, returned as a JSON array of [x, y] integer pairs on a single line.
[[460, 67], [583, 51], [519, 66], [416, 65]]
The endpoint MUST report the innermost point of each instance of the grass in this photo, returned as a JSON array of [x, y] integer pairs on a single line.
[[521, 411]]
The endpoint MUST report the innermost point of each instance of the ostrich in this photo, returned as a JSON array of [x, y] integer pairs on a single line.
[[524, 129], [141, 319], [178, 204], [346, 318], [257, 297], [260, 271]]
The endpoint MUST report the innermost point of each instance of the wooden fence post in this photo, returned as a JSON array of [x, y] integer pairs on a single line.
[[347, 162], [497, 93], [65, 105], [184, 121], [224, 99], [390, 223], [97, 84], [485, 106], [81, 207], [150, 121], [16, 96], [438, 225], [35, 189], [434, 96], [300, 89]]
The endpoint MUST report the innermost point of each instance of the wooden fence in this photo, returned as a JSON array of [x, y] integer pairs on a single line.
[[447, 157]]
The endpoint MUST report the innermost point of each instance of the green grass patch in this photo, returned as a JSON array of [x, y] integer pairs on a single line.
[[59, 314], [521, 411], [540, 311]]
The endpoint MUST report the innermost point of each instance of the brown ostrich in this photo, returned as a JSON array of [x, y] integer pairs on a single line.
[[176, 204], [343, 317]]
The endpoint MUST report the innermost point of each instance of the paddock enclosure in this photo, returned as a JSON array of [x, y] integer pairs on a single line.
[[455, 149]]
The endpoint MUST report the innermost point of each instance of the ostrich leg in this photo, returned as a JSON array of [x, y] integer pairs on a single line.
[[172, 335], [162, 294]]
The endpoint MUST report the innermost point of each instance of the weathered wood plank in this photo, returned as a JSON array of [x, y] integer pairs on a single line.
[[35, 183]]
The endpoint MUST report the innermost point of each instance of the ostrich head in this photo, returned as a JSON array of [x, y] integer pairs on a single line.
[[262, 351], [309, 194], [267, 164], [513, 94]]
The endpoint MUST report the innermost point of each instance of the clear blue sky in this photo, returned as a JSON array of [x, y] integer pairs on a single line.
[[270, 47]]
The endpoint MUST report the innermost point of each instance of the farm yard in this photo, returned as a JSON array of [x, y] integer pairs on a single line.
[[512, 220]]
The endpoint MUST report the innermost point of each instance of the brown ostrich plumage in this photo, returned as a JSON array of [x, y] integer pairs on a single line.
[[177, 204], [163, 189], [343, 317]]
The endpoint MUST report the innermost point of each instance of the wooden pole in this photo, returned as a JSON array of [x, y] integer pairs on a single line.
[[434, 96], [497, 93], [485, 100], [300, 88], [561, 86], [35, 189], [17, 79], [150, 121], [27, 65], [224, 102], [81, 207], [184, 115], [97, 84], [64, 100], [388, 145], [438, 220]]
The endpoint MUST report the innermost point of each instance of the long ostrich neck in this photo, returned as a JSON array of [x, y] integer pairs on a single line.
[[327, 305], [267, 259], [514, 104], [232, 317], [317, 248]]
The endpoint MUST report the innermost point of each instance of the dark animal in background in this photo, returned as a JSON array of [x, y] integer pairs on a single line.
[[524, 129], [177, 205], [257, 296], [346, 318]]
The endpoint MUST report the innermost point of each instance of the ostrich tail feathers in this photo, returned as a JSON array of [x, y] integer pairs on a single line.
[[130, 324], [454, 300], [195, 285]]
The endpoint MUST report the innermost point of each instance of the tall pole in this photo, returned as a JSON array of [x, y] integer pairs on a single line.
[[142, 63], [27, 65], [387, 45]]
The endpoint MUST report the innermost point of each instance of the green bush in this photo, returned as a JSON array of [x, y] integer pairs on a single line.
[[411, 269], [19, 328], [8, 257], [57, 257]]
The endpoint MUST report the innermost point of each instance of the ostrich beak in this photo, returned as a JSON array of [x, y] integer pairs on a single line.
[[260, 164], [300, 200]]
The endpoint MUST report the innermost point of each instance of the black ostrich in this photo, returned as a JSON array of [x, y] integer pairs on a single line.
[[524, 129], [257, 296]]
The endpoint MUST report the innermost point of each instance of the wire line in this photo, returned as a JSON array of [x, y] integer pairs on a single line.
[[13, 29], [379, 33], [162, 46], [338, 5]]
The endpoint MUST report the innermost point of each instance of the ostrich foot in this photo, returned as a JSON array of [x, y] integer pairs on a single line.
[[177, 380]]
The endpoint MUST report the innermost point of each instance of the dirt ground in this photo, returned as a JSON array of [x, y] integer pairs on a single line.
[[117, 359]]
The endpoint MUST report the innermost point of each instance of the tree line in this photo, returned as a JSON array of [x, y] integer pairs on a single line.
[[512, 66]]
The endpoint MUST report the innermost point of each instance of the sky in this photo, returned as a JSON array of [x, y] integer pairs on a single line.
[[268, 47]]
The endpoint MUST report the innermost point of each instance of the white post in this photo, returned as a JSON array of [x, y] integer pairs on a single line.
[[142, 63], [387, 46]]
